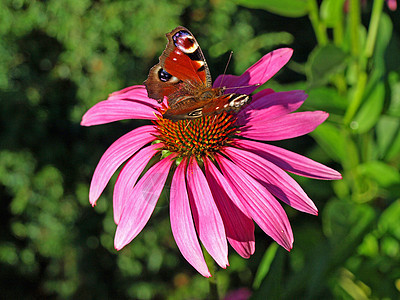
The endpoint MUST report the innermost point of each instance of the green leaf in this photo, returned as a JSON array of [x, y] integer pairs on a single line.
[[382, 41], [331, 140], [389, 220], [345, 224], [394, 150], [394, 83], [382, 173], [344, 221], [286, 8], [371, 109], [265, 265], [272, 284], [324, 62], [325, 98], [331, 12], [387, 131]]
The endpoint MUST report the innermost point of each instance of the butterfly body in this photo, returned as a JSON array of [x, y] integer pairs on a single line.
[[182, 75]]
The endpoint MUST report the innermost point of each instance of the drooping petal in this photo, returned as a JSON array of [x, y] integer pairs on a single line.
[[257, 74], [277, 181], [239, 228], [222, 182], [182, 222], [207, 218], [110, 111], [141, 203], [262, 206], [115, 155], [135, 93], [285, 127], [128, 177], [266, 106], [289, 161]]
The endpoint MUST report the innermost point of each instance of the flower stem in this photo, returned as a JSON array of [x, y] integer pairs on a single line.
[[373, 27], [338, 37], [212, 281], [365, 55], [319, 27], [355, 22]]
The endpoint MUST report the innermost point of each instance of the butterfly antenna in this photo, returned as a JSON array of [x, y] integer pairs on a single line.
[[242, 86], [226, 68]]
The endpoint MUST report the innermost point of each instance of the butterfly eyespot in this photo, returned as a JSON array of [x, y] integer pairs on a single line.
[[164, 75], [185, 42], [237, 100], [196, 113]]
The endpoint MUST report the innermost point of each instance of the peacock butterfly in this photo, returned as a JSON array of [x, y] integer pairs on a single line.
[[182, 75]]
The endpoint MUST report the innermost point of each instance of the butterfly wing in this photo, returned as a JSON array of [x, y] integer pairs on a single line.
[[227, 102], [190, 108], [181, 70]]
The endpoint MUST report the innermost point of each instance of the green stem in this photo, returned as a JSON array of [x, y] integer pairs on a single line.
[[338, 31], [373, 27], [338, 37], [212, 281], [355, 23], [319, 27], [365, 55]]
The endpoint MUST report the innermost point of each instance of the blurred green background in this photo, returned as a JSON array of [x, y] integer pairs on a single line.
[[60, 57]]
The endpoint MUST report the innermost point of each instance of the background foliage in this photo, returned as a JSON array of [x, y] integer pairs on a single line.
[[59, 57]]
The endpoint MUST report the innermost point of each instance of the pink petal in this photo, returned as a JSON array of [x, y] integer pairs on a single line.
[[128, 177], [285, 127], [239, 228], [115, 155], [392, 4], [266, 105], [182, 223], [140, 205], [207, 218], [136, 93], [277, 181], [262, 206], [257, 74], [289, 161], [110, 111]]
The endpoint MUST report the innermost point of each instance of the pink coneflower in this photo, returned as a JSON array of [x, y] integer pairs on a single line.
[[226, 179], [392, 4]]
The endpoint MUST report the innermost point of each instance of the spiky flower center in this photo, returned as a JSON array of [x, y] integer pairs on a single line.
[[196, 137]]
